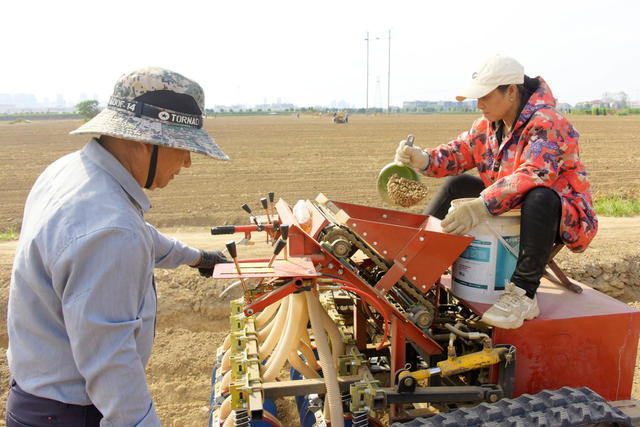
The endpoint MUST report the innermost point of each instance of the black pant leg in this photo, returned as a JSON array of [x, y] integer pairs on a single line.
[[540, 217], [25, 409], [453, 187]]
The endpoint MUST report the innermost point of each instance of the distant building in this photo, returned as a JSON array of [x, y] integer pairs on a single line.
[[597, 103], [275, 107], [435, 106]]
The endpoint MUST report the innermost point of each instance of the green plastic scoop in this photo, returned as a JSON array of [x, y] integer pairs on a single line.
[[393, 168]]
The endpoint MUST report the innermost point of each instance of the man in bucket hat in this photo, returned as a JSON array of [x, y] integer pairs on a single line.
[[82, 304]]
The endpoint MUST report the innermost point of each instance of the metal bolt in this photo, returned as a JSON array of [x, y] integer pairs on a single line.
[[340, 272], [384, 216], [408, 381], [413, 278], [404, 269], [330, 265], [424, 286], [493, 398], [422, 238], [250, 311], [384, 252], [404, 258], [364, 234], [353, 224], [375, 243]]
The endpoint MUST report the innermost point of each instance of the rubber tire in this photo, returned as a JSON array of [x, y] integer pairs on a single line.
[[566, 407]]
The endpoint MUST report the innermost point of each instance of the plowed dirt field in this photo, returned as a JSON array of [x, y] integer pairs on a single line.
[[297, 159]]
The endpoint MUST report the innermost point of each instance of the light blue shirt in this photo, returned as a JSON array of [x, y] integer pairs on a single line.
[[82, 302]]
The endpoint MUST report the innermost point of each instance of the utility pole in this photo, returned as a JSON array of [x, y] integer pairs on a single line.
[[388, 75], [389, 78], [367, 91]]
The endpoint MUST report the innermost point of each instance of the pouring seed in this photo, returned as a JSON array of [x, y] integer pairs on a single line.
[[405, 192]]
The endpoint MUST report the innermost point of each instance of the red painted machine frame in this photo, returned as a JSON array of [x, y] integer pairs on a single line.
[[586, 339]]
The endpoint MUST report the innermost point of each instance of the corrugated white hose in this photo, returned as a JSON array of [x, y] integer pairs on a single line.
[[296, 324], [265, 329], [226, 361], [299, 365], [276, 331], [226, 380], [307, 352], [230, 421], [225, 408], [227, 342], [264, 332], [326, 361], [337, 345], [266, 316]]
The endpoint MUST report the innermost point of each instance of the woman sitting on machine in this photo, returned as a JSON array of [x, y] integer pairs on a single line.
[[527, 157]]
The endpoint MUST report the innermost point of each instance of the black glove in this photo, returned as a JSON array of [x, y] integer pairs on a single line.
[[208, 260]]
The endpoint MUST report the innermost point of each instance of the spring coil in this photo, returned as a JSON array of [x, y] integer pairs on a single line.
[[360, 419], [241, 418], [346, 400]]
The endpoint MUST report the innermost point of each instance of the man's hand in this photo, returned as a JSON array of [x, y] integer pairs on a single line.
[[410, 155], [465, 217], [208, 260]]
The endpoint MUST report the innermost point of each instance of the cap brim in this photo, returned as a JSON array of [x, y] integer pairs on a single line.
[[125, 126], [475, 91]]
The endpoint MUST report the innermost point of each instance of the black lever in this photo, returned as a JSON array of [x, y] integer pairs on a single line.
[[280, 244], [284, 231], [265, 205], [231, 248]]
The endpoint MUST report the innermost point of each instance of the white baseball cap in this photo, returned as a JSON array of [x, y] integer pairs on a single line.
[[495, 71]]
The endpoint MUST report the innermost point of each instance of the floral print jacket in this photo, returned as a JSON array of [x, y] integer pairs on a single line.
[[540, 150]]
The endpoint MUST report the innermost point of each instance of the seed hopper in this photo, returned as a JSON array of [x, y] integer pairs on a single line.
[[357, 302]]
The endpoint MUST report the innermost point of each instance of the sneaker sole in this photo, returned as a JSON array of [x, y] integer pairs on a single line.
[[511, 325]]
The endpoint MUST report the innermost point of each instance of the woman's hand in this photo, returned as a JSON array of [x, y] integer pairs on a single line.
[[411, 155], [465, 217]]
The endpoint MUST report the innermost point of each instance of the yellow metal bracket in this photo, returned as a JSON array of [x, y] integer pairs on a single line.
[[367, 395]]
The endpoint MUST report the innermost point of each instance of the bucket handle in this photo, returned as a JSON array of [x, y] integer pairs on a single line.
[[501, 239]]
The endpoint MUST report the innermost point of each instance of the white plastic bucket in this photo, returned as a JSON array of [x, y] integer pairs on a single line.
[[481, 272]]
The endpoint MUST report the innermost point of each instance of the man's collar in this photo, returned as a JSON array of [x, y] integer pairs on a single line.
[[104, 159]]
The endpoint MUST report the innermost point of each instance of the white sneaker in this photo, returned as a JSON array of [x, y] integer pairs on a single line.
[[511, 309]]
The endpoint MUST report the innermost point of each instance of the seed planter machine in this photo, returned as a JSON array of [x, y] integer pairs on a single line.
[[357, 302]]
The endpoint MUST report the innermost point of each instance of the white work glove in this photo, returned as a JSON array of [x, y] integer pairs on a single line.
[[411, 155], [465, 217]]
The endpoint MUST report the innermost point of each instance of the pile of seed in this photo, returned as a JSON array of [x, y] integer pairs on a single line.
[[405, 192]]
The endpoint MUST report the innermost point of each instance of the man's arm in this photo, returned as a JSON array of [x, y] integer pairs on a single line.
[[105, 279], [171, 253]]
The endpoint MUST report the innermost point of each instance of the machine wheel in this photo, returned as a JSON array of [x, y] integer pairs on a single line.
[[565, 407]]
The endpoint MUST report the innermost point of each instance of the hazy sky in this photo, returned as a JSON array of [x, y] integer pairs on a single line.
[[311, 53]]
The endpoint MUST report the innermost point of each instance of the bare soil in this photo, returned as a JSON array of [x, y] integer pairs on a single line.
[[297, 159]]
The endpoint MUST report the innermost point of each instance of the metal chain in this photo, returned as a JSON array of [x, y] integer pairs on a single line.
[[378, 260]]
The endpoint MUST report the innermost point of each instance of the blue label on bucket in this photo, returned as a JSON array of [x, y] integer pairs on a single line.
[[476, 253], [469, 284], [505, 262]]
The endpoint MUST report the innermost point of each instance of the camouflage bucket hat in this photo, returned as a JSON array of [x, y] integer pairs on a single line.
[[156, 106]]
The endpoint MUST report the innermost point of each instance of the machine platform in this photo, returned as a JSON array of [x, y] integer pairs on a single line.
[[587, 339], [259, 268]]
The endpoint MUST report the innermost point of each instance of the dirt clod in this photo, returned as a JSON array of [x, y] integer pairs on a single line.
[[405, 192]]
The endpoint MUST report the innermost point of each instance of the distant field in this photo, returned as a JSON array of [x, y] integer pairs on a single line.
[[295, 158]]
